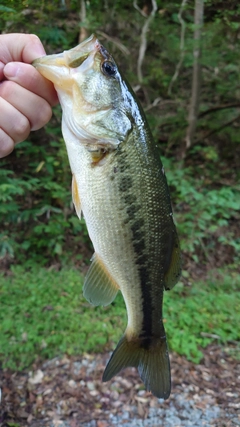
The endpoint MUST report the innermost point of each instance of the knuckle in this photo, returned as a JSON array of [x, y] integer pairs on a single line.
[[6, 144], [43, 116], [47, 113], [21, 128], [7, 89]]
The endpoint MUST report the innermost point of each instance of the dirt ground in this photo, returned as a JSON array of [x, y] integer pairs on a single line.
[[68, 391]]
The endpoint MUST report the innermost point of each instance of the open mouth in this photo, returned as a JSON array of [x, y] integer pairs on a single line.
[[57, 68]]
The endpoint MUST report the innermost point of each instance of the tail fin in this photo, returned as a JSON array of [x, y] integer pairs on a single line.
[[151, 360]]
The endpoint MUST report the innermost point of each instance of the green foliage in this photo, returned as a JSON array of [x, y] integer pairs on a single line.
[[203, 214], [36, 212], [39, 222], [48, 21], [47, 315], [195, 314], [42, 311]]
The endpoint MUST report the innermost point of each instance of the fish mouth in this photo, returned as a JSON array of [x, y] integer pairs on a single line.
[[58, 67]]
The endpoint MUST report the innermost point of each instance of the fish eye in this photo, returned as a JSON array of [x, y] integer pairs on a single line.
[[109, 68]]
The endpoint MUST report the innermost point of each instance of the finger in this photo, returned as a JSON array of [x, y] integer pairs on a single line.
[[1, 71], [34, 108], [28, 77], [20, 47], [6, 144], [12, 122]]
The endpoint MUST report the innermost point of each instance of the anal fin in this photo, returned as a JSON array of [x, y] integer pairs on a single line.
[[76, 197], [99, 287]]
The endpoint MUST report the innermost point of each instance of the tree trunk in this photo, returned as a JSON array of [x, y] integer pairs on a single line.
[[83, 34], [196, 76]]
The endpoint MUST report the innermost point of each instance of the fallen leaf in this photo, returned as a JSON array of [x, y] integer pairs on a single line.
[[37, 378]]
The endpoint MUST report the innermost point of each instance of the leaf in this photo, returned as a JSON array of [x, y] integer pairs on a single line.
[[7, 9], [36, 378]]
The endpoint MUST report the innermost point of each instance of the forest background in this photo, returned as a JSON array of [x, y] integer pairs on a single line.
[[182, 59]]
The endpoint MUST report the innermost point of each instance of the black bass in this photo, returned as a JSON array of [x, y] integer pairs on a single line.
[[120, 187]]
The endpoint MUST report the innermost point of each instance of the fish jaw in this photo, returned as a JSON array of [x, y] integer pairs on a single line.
[[88, 97], [58, 67]]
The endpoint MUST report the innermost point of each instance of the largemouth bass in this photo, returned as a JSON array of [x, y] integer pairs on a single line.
[[120, 187]]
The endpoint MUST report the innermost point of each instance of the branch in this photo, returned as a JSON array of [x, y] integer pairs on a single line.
[[216, 337], [120, 46], [182, 53], [207, 335], [159, 100], [139, 10], [218, 129], [143, 45], [196, 77], [219, 107], [83, 14], [153, 104]]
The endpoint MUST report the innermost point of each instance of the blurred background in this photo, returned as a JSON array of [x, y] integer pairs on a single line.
[[182, 60]]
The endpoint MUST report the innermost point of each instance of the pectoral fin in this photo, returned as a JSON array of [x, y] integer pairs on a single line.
[[99, 286], [76, 197], [173, 272]]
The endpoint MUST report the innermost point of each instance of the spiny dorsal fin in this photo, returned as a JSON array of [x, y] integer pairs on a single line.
[[76, 197], [173, 273], [99, 287]]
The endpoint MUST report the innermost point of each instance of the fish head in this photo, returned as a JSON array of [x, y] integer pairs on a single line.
[[91, 92]]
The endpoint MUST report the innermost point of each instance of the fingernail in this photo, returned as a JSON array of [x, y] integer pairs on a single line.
[[11, 70]]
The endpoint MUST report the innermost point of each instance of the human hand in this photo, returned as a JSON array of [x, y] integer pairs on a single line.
[[25, 96]]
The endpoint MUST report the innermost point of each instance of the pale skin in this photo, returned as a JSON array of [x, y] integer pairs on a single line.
[[26, 97]]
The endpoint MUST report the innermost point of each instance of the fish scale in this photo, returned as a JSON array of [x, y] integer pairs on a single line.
[[120, 187]]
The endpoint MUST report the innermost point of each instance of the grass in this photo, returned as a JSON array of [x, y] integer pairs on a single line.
[[43, 314], [203, 312]]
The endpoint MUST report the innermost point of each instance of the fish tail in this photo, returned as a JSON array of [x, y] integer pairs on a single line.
[[150, 356]]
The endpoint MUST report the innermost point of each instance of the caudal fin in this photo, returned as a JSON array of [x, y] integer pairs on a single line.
[[151, 359]]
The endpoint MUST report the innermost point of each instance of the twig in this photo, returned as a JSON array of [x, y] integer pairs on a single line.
[[218, 129], [217, 337], [153, 104], [143, 45], [219, 107], [120, 46], [139, 10], [182, 53], [207, 335], [159, 100], [136, 88]]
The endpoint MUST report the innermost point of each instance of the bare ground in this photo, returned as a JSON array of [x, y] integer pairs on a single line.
[[68, 392]]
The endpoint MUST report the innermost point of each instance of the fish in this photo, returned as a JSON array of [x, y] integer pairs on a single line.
[[120, 187]]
